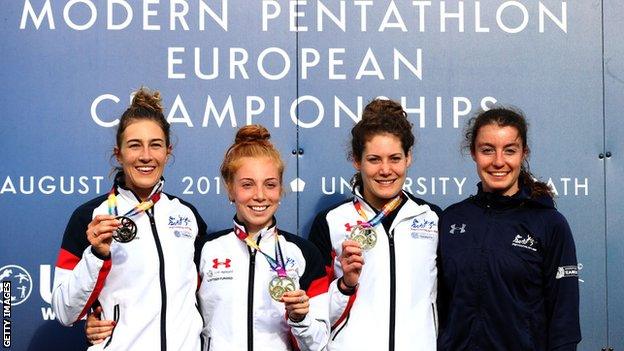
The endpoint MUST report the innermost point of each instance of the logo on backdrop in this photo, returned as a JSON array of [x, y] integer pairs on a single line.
[[297, 185], [21, 282]]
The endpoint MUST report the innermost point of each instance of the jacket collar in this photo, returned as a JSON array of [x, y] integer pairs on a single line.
[[408, 209], [520, 198], [263, 233], [367, 207], [126, 193]]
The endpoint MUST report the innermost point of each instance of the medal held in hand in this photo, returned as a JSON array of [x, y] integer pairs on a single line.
[[365, 233], [128, 229], [279, 285], [281, 282], [365, 236]]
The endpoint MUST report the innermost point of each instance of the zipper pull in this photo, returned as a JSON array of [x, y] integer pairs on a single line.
[[151, 217]]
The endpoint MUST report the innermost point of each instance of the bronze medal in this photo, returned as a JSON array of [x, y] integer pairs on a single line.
[[127, 231]]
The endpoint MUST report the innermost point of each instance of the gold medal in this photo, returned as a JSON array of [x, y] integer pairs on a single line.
[[365, 236], [279, 285], [364, 233]]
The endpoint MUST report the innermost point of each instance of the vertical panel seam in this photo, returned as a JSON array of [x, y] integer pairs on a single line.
[[297, 144], [604, 169]]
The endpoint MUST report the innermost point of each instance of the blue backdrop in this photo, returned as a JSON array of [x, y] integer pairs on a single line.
[[304, 69]]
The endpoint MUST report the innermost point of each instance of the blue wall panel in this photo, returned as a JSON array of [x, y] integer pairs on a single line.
[[614, 128], [51, 78]]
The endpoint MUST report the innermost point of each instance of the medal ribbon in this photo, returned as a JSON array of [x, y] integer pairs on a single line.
[[388, 207], [143, 206], [277, 264]]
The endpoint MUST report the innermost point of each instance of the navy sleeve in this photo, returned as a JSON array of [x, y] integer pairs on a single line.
[[443, 292], [314, 279], [202, 230], [200, 240], [314, 267], [561, 290], [319, 236], [202, 227], [75, 237]]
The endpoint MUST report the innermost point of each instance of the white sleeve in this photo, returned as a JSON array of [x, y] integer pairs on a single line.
[[74, 290], [312, 333], [338, 303]]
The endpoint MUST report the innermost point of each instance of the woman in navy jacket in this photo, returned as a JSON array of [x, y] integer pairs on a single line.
[[508, 268]]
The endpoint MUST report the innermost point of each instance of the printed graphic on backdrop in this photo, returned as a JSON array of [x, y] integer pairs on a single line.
[[20, 282]]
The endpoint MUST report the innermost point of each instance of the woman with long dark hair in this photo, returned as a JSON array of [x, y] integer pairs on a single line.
[[508, 272], [381, 244]]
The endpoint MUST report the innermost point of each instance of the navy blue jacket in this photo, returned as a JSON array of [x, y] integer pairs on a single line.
[[508, 275]]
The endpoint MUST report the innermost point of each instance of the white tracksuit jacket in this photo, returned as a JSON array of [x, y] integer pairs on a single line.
[[147, 285], [239, 313], [394, 307]]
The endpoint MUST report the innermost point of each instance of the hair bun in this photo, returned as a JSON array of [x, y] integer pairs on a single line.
[[380, 108], [147, 99], [252, 133]]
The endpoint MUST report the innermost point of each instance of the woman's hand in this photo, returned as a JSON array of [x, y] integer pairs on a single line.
[[297, 305], [100, 233], [97, 330], [351, 261]]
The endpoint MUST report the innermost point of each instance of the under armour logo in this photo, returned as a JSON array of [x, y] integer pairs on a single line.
[[461, 229], [350, 227], [216, 263]]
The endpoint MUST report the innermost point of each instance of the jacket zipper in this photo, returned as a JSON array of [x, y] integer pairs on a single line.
[[392, 290], [250, 291], [116, 319], [163, 288], [435, 318], [202, 339]]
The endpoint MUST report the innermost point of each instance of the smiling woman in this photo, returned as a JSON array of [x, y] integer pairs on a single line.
[[252, 171], [508, 249], [101, 266], [499, 154], [385, 241], [243, 297], [142, 154]]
